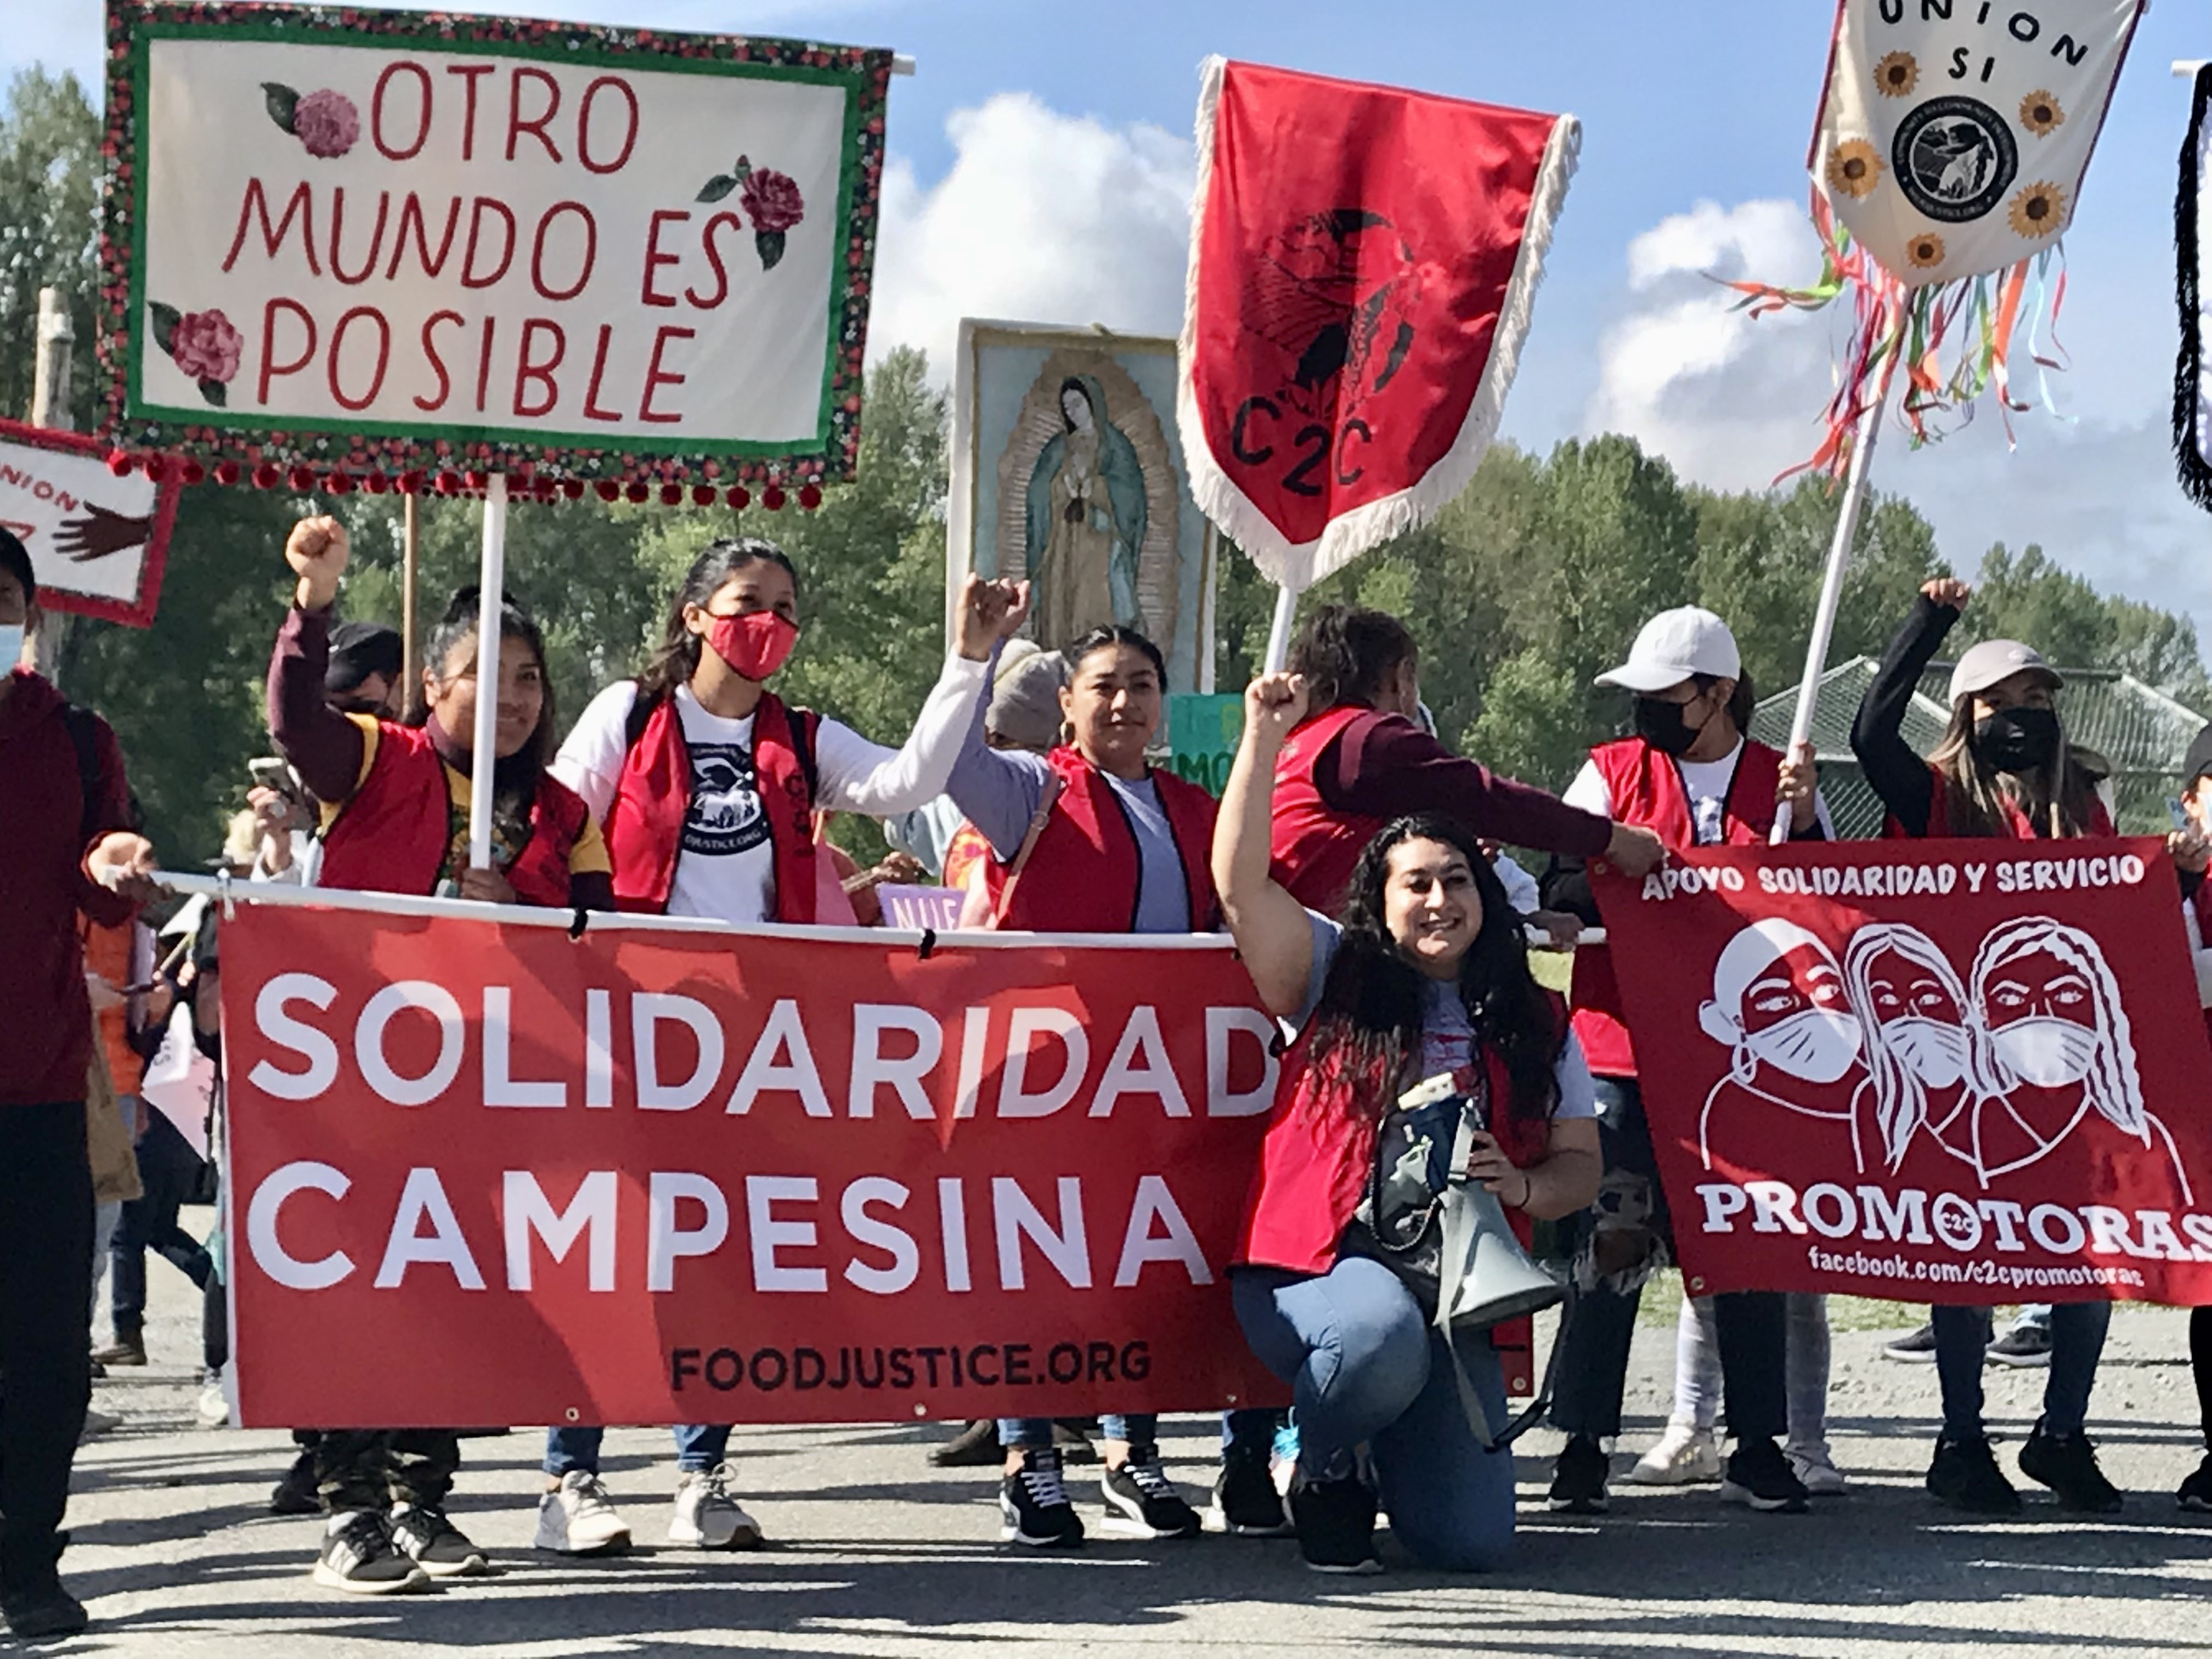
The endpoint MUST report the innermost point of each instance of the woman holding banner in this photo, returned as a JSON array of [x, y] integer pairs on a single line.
[[2003, 769], [1091, 839], [1690, 774], [1426, 976], [708, 785], [396, 807]]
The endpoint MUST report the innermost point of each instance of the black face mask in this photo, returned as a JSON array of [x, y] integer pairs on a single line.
[[2018, 740], [1661, 725]]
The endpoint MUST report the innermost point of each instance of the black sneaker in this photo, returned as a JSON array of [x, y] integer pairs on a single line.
[[1964, 1475], [1758, 1474], [1336, 1525], [434, 1544], [1035, 1504], [360, 1557], [975, 1446], [2067, 1463], [2023, 1345], [2196, 1493], [1916, 1349], [1578, 1477], [41, 1611], [295, 1493], [1141, 1502], [1245, 1501]]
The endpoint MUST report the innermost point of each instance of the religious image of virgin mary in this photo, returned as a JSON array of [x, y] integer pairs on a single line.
[[1086, 515]]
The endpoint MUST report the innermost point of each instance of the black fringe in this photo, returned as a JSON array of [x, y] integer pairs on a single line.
[[2189, 440]]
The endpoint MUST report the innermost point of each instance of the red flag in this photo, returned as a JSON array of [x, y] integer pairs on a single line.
[[1363, 264]]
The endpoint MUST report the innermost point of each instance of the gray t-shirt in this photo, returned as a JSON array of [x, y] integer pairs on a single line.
[[1162, 894]]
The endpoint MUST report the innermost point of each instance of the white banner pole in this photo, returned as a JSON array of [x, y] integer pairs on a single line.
[[491, 580], [1279, 636], [1832, 585]]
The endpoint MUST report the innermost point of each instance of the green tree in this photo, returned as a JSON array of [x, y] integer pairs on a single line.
[[50, 168]]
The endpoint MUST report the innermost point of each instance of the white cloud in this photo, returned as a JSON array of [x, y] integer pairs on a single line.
[[1042, 217]]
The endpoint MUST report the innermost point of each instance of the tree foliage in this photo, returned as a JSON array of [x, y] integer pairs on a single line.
[[49, 228]]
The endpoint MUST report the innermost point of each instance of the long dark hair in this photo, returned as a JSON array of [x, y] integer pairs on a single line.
[[676, 658], [1369, 1023], [1075, 383], [457, 627], [1346, 654]]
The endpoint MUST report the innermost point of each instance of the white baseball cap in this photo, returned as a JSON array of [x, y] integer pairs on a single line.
[[1994, 661], [1674, 645]]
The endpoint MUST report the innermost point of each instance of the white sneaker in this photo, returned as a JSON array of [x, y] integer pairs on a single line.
[[1685, 1456], [214, 1401], [1818, 1470], [577, 1519], [99, 1423], [706, 1517]]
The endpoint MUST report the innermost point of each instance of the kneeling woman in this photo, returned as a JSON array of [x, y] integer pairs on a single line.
[[1427, 975]]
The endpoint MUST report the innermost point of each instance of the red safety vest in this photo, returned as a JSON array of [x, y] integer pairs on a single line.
[[2201, 902], [645, 824], [2017, 822], [1318, 1159], [1645, 787], [393, 836], [1312, 846], [1085, 874]]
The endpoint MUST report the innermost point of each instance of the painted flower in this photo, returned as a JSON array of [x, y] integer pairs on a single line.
[[2041, 114], [1926, 251], [1854, 168], [2039, 210], [324, 121], [771, 200], [1897, 74], [203, 343]]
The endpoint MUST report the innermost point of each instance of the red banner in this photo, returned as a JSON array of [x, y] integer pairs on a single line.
[[665, 1178], [1950, 1071]]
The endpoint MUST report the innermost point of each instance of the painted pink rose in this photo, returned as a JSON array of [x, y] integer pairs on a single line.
[[206, 347], [326, 122], [771, 200]]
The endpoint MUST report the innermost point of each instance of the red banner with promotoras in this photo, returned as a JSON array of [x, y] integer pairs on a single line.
[[1946, 1071], [662, 1177]]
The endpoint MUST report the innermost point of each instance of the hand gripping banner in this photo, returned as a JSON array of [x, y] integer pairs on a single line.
[[655, 1176], [1362, 271], [1945, 1071]]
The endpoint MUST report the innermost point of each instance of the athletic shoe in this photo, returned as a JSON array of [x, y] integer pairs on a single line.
[[47, 1610], [1336, 1525], [435, 1544], [2067, 1463], [577, 1518], [1759, 1476], [214, 1401], [2024, 1346], [1685, 1456], [1964, 1475], [123, 1351], [975, 1446], [1578, 1477], [1245, 1500], [1916, 1349], [98, 1423], [1035, 1505], [706, 1517], [2196, 1493], [359, 1556], [1816, 1468], [1141, 1502], [295, 1494]]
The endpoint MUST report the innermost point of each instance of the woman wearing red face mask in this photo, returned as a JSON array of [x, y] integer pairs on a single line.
[[708, 784]]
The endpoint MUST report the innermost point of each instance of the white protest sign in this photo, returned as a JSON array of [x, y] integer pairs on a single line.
[[97, 542]]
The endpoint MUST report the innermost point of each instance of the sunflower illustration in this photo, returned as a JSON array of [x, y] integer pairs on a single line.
[[2039, 210], [1926, 251], [2041, 113], [1854, 168], [1897, 74]]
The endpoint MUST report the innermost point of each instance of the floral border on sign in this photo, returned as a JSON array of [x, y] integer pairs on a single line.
[[123, 339]]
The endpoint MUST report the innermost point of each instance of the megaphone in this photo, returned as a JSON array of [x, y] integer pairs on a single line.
[[1484, 1276]]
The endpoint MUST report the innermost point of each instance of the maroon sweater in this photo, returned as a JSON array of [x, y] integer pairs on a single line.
[[47, 1049], [1383, 766]]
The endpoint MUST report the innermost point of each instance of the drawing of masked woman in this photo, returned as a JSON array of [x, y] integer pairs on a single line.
[[1780, 1009], [1926, 1062]]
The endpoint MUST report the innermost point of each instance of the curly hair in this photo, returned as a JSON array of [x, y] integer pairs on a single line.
[[1368, 1024]]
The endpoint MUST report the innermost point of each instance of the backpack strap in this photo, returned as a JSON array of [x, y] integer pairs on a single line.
[[84, 736], [804, 724], [641, 708]]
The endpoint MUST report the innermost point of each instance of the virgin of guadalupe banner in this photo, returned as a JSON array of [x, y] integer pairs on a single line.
[[1363, 267], [2192, 216], [1942, 1072], [392, 241]]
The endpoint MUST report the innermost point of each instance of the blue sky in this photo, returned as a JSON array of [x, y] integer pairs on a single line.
[[1041, 162]]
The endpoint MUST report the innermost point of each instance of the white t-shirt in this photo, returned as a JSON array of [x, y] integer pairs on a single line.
[[1706, 783], [725, 868]]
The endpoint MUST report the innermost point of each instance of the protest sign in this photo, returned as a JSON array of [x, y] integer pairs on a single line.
[[98, 542], [1364, 266], [1204, 729], [388, 242], [1949, 1071], [671, 1177]]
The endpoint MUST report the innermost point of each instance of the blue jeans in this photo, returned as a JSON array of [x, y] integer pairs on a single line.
[[1367, 1369], [699, 1447], [168, 1169], [2077, 1342], [1035, 1433]]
